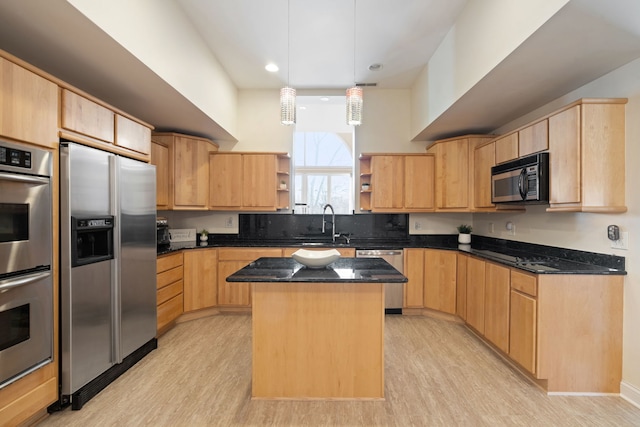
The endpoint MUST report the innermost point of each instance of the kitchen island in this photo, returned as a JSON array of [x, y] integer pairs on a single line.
[[318, 333]]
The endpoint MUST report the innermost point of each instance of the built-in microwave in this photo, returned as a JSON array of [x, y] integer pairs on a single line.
[[524, 180]]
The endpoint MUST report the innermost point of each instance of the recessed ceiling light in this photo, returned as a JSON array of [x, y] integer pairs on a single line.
[[271, 67], [324, 98], [375, 67]]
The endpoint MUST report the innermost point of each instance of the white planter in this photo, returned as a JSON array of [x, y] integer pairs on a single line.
[[204, 238], [464, 238]]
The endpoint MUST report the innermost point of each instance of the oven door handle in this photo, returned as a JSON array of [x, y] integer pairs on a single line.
[[23, 178], [7, 284]]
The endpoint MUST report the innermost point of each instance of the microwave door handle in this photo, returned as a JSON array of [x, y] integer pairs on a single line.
[[521, 182]]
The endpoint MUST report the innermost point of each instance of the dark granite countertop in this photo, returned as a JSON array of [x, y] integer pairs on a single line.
[[533, 258], [348, 270]]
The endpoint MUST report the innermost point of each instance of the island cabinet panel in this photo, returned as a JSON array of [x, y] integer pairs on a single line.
[[230, 260], [440, 270], [28, 106], [200, 279], [318, 340], [170, 287], [86, 117], [461, 286], [475, 293], [414, 271], [496, 305]]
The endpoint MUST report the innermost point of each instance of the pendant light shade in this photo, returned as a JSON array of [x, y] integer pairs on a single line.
[[354, 106], [288, 106], [288, 94]]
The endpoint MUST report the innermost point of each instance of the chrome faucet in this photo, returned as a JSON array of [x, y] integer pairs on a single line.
[[333, 222]]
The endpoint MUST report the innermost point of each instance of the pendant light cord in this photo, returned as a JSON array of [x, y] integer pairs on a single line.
[[354, 42], [288, 40]]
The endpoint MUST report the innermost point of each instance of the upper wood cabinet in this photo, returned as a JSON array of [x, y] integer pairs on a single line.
[[187, 169], [28, 106], [440, 271], [587, 157], [484, 156], [506, 148], [533, 138], [132, 135], [454, 165], [398, 182], [249, 181], [160, 157]]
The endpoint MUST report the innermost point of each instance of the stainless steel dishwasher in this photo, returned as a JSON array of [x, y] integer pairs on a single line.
[[393, 292]]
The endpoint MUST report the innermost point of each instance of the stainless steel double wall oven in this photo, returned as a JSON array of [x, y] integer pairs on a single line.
[[26, 283]]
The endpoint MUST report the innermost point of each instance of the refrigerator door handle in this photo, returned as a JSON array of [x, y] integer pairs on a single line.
[[114, 203]]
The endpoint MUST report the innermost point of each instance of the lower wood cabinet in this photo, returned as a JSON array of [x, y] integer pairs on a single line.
[[414, 271], [523, 320], [440, 270], [170, 290], [230, 260], [475, 293], [496, 305], [461, 286], [200, 276]]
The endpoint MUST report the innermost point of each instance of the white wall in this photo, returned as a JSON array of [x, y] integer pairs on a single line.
[[587, 231], [484, 34], [159, 34]]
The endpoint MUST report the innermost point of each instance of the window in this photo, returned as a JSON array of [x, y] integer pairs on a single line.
[[323, 157]]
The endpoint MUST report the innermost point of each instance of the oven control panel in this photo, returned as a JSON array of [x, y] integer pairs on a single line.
[[13, 157]]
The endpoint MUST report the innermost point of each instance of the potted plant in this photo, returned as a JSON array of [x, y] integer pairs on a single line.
[[283, 185], [204, 235], [365, 186], [464, 234]]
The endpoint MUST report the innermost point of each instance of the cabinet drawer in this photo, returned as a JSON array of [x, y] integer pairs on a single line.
[[168, 262], [169, 291], [247, 254], [524, 283], [169, 276], [169, 311]]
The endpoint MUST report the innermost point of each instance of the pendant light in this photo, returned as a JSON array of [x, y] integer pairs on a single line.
[[354, 94], [288, 94]]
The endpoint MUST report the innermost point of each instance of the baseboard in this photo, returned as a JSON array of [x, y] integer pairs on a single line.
[[630, 393]]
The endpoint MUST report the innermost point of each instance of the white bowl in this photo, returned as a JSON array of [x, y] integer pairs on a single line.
[[315, 259]]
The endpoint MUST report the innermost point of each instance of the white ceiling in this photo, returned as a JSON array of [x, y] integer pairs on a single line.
[[585, 40], [245, 35]]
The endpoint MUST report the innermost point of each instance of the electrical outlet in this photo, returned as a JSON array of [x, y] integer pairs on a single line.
[[229, 222], [417, 225], [491, 228], [511, 228], [622, 242]]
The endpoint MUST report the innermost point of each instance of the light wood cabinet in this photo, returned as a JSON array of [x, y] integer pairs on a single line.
[[398, 182], [440, 272], [454, 172], [587, 157], [475, 293], [86, 117], [249, 181], [28, 106], [485, 158], [414, 271], [523, 320], [160, 157], [230, 260], [200, 278], [132, 135], [496, 305], [461, 286], [188, 169], [170, 287], [533, 138], [506, 148]]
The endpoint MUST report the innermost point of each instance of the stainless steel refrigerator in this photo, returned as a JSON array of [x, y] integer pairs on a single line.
[[108, 268]]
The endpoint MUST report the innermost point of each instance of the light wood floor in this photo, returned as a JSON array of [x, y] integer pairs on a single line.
[[436, 374]]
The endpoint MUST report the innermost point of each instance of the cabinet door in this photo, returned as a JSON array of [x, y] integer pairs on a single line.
[[200, 278], [259, 183], [461, 286], [160, 158], [484, 160], [132, 135], [506, 148], [564, 153], [534, 138], [440, 269], [522, 331], [28, 106], [475, 293], [452, 174], [191, 174], [86, 117], [387, 178], [236, 293], [414, 270], [225, 186], [419, 182], [496, 305]]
